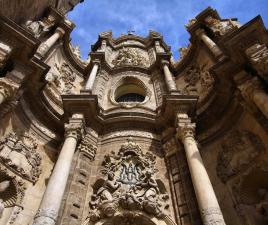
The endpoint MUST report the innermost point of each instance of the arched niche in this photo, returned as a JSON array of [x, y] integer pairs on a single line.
[[132, 218]]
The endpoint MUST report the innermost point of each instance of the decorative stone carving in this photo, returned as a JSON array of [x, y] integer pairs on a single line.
[[258, 57], [184, 51], [130, 57], [5, 52], [239, 149], [62, 77], [18, 152], [212, 216], [219, 27], [199, 81], [38, 28], [130, 184], [8, 89], [4, 185], [87, 147], [101, 81], [190, 23], [76, 51]]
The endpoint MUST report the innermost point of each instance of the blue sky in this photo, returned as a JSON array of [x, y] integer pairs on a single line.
[[165, 16]]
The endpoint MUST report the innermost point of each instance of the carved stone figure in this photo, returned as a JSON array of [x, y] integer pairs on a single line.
[[62, 77], [130, 57], [19, 153], [76, 51], [37, 28], [219, 27], [199, 81]]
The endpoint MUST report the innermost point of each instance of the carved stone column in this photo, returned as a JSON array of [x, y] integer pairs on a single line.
[[168, 76], [45, 46], [8, 88], [208, 204], [51, 201], [5, 52], [92, 76], [253, 91], [209, 43]]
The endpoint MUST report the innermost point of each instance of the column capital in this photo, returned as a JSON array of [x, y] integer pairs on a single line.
[[199, 32], [96, 62], [8, 87], [60, 31], [75, 127], [164, 63], [185, 128]]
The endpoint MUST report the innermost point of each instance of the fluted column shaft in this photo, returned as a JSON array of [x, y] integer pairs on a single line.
[[92, 76], [209, 43], [208, 204], [168, 77], [51, 201], [45, 46]]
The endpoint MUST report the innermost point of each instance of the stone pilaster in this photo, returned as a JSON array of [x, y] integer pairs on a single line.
[[168, 76], [212, 46], [92, 76], [8, 89], [253, 91], [208, 204], [51, 201], [46, 45]]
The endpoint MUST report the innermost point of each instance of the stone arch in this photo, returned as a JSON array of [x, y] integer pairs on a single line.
[[132, 218]]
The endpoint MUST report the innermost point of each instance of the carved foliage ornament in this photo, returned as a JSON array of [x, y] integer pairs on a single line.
[[18, 152], [130, 184], [239, 149], [130, 57]]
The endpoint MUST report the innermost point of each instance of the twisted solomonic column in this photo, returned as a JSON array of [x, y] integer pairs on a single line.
[[208, 204], [51, 201]]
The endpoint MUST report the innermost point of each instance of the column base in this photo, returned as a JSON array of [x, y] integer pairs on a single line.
[[212, 216], [45, 217]]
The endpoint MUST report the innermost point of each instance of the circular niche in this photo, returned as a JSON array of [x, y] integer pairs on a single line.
[[129, 92]]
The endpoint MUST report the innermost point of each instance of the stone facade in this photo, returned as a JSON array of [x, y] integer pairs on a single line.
[[129, 136]]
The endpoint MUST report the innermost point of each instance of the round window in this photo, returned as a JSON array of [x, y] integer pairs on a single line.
[[130, 93]]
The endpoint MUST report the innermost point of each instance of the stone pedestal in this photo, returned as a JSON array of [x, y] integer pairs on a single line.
[[208, 204], [210, 44], [168, 77], [51, 201], [45, 46], [92, 76]]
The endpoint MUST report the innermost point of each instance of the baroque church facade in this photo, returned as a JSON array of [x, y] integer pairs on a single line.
[[130, 136]]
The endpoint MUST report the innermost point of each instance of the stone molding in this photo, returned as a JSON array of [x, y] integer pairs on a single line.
[[5, 52]]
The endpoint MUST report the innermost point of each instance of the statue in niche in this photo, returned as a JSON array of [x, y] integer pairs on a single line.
[[4, 185], [38, 28]]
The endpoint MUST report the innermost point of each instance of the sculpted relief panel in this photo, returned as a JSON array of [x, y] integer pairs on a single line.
[[239, 149], [131, 57], [129, 184]]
